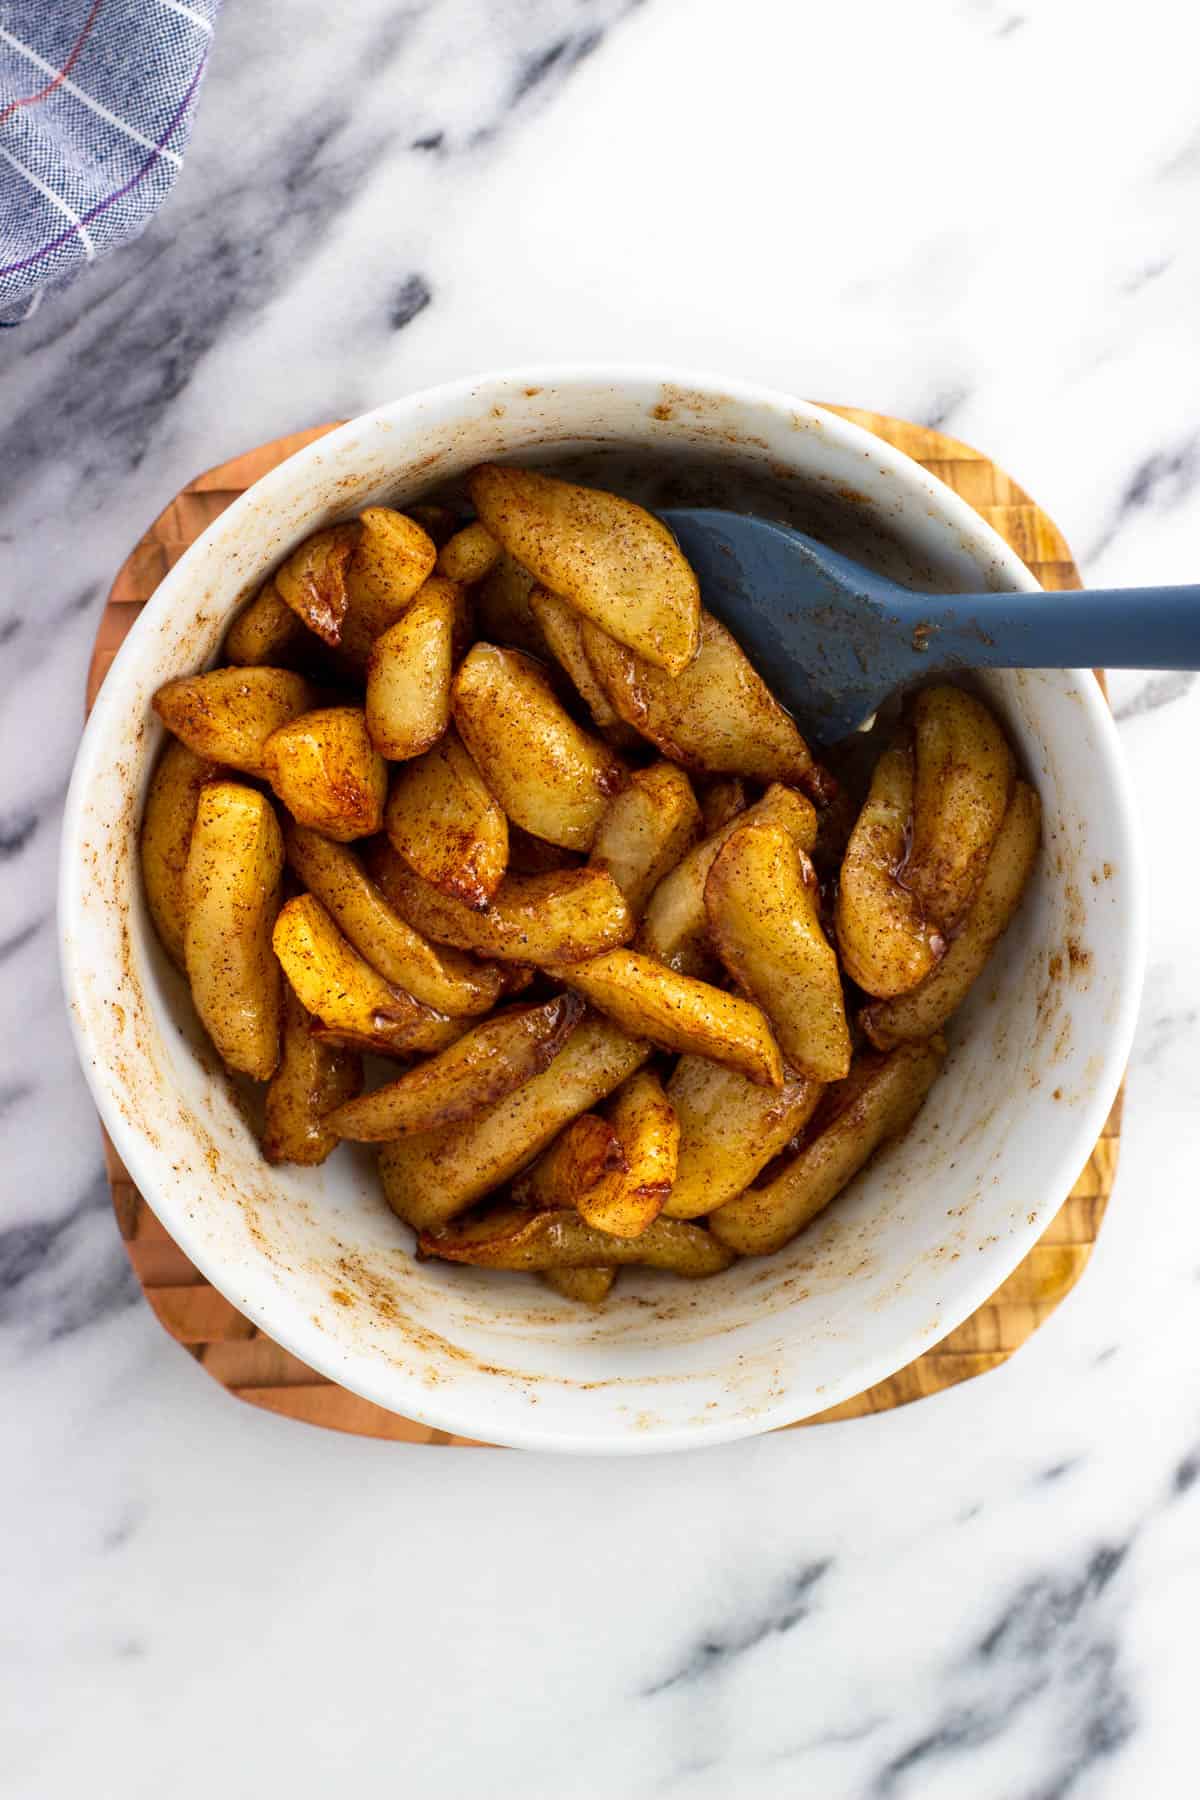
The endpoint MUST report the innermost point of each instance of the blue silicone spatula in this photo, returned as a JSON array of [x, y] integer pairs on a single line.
[[834, 640]]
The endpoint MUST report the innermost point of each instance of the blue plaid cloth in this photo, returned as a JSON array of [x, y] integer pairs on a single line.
[[96, 100]]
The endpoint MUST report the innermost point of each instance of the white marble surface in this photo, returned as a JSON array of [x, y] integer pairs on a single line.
[[976, 212]]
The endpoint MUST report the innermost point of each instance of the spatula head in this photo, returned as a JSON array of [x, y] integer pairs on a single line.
[[816, 625]]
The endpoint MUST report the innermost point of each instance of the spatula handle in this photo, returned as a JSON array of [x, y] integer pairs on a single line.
[[1114, 628]]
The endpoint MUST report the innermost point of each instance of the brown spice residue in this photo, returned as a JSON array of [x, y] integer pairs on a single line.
[[373, 1287], [688, 400], [383, 1298], [1049, 1001], [1080, 959]]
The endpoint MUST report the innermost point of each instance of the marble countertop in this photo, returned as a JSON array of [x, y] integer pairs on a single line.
[[976, 213]]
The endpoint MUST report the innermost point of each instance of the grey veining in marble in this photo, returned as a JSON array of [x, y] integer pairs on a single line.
[[974, 213]]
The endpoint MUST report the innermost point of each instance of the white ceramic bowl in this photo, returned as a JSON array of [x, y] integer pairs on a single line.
[[315, 1258]]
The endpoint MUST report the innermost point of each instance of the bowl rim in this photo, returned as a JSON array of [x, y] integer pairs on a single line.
[[439, 1409]]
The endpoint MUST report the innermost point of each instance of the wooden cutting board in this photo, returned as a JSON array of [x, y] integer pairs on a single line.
[[255, 1369]]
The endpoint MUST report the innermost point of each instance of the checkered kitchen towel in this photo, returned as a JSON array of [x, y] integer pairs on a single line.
[[96, 101]]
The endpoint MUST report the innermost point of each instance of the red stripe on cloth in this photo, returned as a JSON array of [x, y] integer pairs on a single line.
[[76, 49]]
